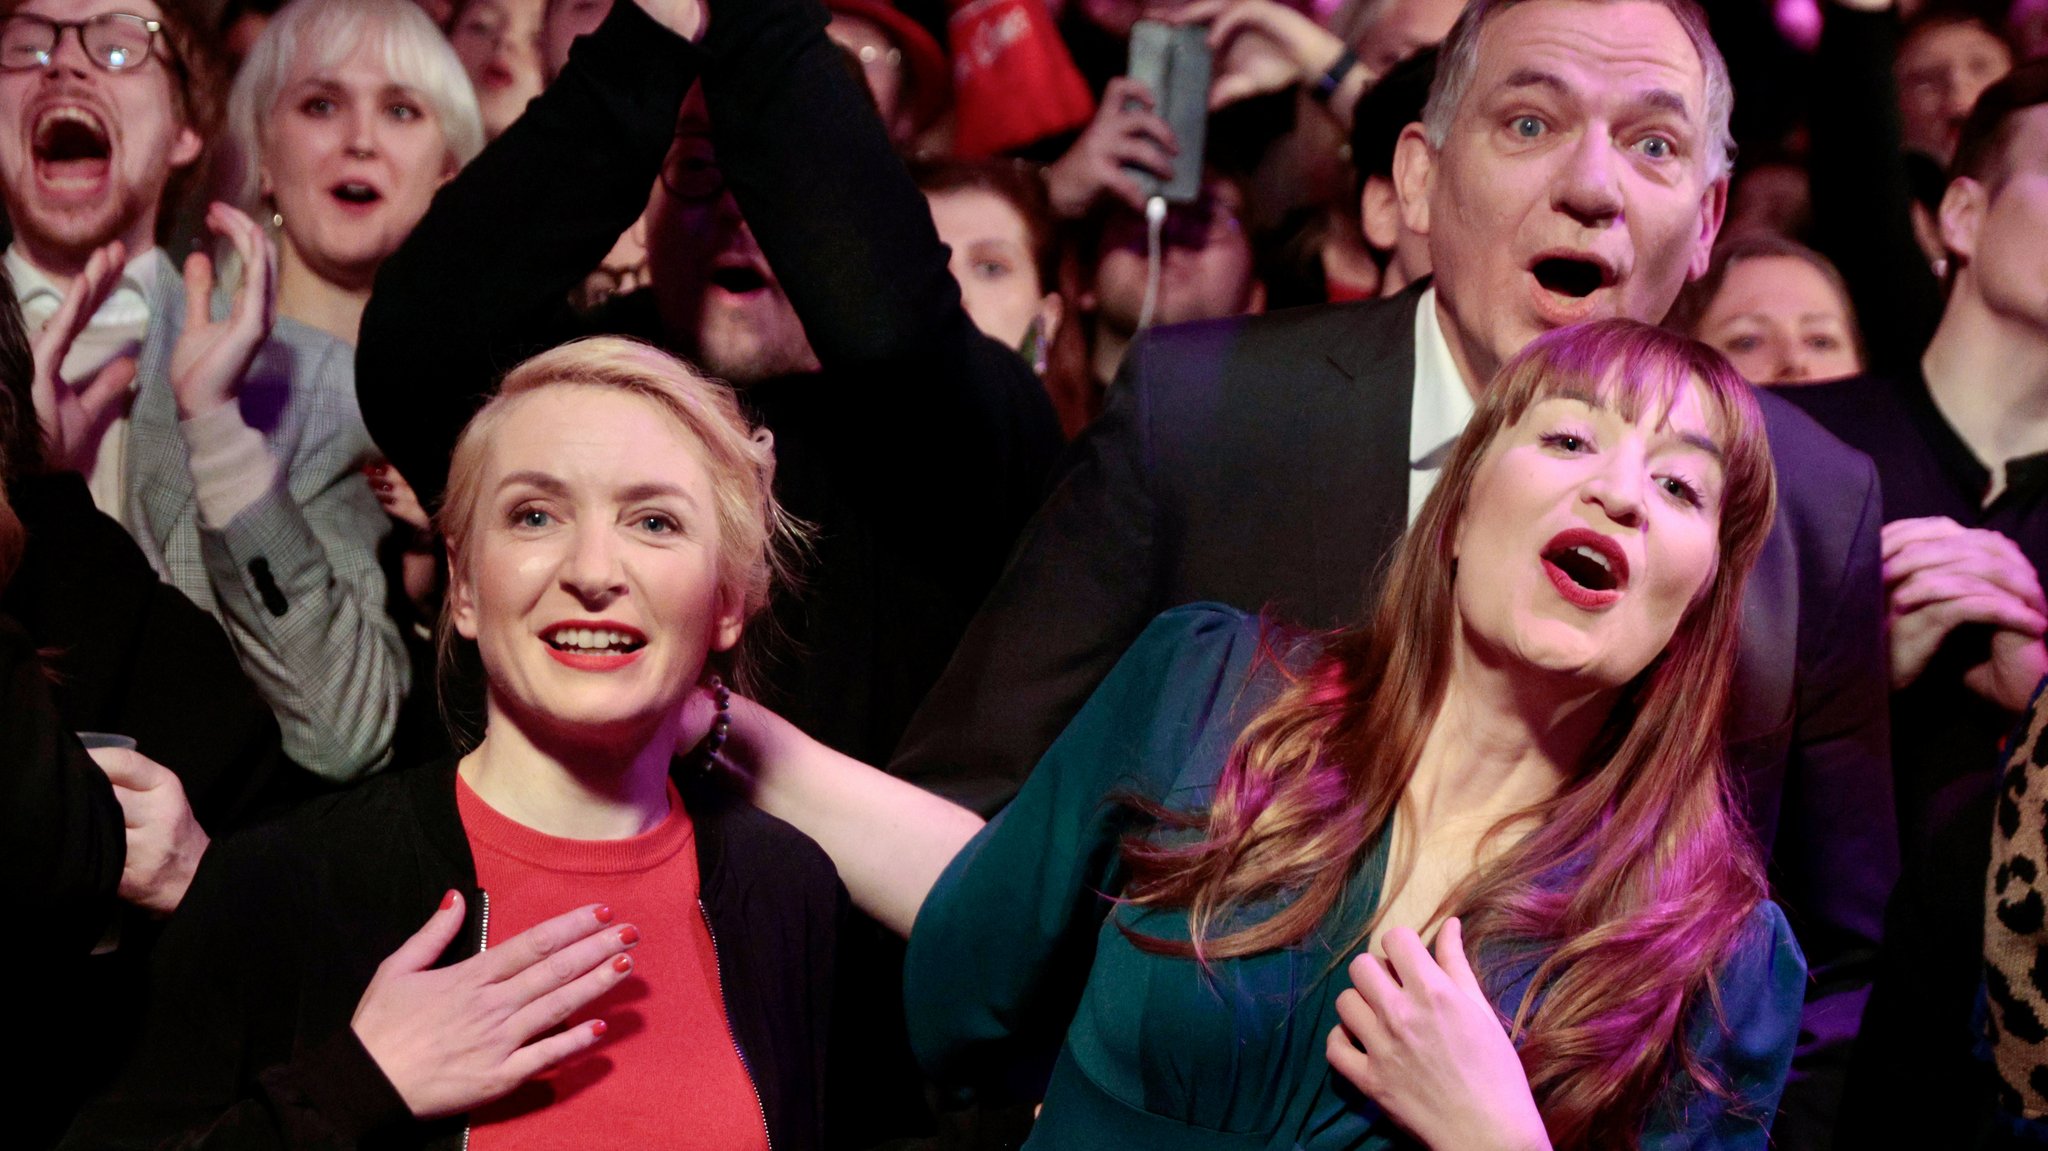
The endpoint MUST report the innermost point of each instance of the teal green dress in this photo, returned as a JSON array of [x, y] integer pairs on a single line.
[[1020, 978]]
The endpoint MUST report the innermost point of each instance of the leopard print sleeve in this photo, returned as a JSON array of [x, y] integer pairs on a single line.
[[2016, 923]]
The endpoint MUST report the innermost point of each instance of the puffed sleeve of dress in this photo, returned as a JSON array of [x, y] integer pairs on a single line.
[[1748, 1047], [1002, 947]]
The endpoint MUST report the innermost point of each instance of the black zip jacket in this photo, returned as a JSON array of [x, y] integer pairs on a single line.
[[247, 1043]]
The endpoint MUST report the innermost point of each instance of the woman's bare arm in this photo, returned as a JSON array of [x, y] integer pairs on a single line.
[[889, 839]]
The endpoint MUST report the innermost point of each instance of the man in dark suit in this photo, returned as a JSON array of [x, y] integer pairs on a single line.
[[1572, 164]]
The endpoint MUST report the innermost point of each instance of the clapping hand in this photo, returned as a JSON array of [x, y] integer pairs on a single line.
[[212, 355], [1939, 574], [456, 1037], [1435, 1053], [72, 419]]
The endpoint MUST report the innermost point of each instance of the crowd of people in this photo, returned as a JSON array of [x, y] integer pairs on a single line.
[[850, 573]]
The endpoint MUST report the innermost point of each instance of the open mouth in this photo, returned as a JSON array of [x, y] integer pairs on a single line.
[[1588, 569], [355, 194], [1585, 567], [1571, 276], [739, 279], [71, 143], [594, 640]]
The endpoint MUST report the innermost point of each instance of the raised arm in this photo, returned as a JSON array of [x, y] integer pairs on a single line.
[[483, 281], [948, 419], [287, 531], [889, 839]]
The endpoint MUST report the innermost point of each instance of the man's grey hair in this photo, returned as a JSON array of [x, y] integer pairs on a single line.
[[1460, 62]]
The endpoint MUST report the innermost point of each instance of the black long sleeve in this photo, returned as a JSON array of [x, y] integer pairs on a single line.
[[61, 842], [483, 281]]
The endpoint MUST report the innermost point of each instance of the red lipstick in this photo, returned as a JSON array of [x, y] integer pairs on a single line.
[[1590, 582], [594, 656]]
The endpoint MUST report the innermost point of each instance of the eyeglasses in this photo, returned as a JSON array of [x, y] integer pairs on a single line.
[[1192, 226], [116, 41], [690, 172]]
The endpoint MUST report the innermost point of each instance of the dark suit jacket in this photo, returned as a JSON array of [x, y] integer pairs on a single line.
[[1263, 462]]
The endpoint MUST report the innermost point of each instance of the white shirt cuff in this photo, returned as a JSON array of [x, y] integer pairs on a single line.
[[231, 465]]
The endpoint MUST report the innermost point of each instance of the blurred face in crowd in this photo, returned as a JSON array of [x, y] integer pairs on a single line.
[[1780, 321], [242, 35], [1772, 198], [994, 262], [566, 20], [1403, 28], [1940, 72], [85, 152], [351, 159], [2028, 20], [1996, 227], [712, 285], [1574, 181], [1206, 267], [498, 42], [592, 584], [439, 11]]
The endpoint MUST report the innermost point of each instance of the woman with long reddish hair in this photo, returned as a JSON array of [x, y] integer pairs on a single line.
[[1205, 912]]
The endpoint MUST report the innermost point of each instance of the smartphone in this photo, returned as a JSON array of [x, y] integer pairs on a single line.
[[1172, 62]]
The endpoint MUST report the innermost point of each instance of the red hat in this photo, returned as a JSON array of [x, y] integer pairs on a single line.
[[931, 80], [1014, 81]]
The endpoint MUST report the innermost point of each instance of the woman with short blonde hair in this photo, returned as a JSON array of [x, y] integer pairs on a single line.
[[605, 920], [345, 118]]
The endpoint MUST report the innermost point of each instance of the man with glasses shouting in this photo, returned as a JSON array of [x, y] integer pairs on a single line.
[[226, 445]]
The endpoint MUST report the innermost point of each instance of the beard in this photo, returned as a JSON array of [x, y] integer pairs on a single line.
[[67, 235], [748, 340]]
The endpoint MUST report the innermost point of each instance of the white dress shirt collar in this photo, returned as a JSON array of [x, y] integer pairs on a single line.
[[1439, 408], [132, 302]]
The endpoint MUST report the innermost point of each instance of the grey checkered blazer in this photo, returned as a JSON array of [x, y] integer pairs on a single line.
[[294, 578]]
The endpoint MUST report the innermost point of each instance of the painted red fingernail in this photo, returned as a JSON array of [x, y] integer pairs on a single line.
[[597, 1027], [448, 901], [603, 913], [622, 963], [629, 935]]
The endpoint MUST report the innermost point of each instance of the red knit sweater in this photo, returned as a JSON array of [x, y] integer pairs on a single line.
[[666, 1073]]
